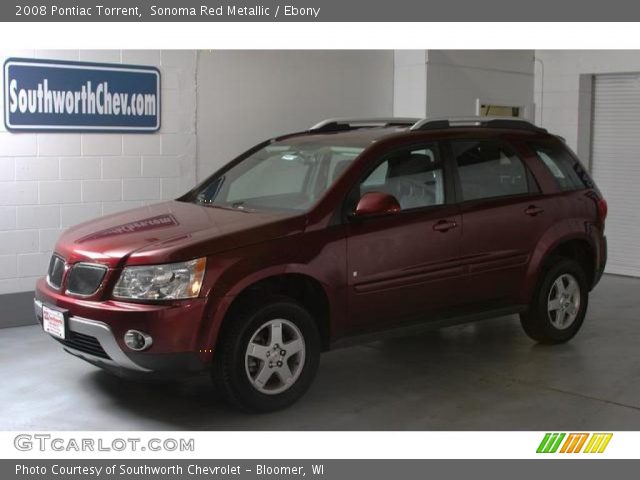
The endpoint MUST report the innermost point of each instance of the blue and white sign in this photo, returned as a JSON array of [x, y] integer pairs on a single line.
[[50, 95]]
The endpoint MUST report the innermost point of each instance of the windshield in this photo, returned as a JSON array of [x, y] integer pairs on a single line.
[[278, 177]]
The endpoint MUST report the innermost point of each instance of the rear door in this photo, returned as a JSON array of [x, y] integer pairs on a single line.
[[404, 264], [503, 217]]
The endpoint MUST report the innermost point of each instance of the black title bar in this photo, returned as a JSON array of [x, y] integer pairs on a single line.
[[320, 11], [314, 469]]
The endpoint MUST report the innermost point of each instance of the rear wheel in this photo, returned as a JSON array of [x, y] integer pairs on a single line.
[[268, 356], [559, 304]]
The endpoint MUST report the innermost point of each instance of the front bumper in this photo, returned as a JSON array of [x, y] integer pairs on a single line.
[[107, 353], [96, 331]]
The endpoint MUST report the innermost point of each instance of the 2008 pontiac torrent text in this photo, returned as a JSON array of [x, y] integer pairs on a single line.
[[59, 12]]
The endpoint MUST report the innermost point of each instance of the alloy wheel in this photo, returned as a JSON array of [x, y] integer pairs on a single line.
[[275, 356], [563, 303]]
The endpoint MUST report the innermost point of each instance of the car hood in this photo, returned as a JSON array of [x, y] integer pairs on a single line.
[[171, 231]]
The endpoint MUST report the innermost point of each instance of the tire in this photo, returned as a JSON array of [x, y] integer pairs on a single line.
[[552, 317], [240, 375]]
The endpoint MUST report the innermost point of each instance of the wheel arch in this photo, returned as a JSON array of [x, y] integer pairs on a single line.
[[578, 247], [299, 286]]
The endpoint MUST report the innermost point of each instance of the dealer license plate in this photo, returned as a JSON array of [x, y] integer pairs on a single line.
[[53, 322]]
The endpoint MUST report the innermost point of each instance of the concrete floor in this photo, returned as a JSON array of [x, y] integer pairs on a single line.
[[485, 376]]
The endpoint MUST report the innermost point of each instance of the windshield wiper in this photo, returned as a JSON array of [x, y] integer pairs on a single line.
[[232, 207]]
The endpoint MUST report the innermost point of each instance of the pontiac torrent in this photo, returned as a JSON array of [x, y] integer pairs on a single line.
[[336, 234]]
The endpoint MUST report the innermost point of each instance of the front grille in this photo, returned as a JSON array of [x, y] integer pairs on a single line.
[[85, 278], [56, 271], [84, 343]]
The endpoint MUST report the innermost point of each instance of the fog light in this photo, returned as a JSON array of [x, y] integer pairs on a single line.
[[137, 341]]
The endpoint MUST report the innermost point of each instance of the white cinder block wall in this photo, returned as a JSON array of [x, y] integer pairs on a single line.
[[559, 93], [49, 182], [410, 83], [438, 83], [245, 97], [456, 79]]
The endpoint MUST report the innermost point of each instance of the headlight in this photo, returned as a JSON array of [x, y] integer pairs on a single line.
[[172, 281]]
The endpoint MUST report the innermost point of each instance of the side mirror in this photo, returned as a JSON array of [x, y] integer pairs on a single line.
[[376, 203]]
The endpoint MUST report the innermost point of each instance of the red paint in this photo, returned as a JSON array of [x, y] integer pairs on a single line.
[[375, 272], [146, 224], [376, 203]]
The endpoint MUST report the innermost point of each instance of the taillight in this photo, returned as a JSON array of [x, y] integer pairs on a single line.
[[602, 209]]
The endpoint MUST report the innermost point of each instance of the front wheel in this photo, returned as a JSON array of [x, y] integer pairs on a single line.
[[559, 304], [268, 356]]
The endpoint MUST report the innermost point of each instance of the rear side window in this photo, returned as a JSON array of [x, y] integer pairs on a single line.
[[567, 171], [487, 170]]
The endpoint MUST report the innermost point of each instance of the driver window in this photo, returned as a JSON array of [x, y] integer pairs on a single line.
[[414, 177]]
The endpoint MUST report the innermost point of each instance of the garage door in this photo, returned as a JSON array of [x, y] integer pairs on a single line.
[[616, 165]]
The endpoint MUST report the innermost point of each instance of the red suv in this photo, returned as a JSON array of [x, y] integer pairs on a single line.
[[320, 238]]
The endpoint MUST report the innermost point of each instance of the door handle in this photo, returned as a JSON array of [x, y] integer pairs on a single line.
[[533, 210], [444, 225]]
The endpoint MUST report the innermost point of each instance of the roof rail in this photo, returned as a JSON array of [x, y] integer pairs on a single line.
[[488, 122], [337, 124]]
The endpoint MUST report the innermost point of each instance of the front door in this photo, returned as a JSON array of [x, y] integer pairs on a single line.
[[404, 265]]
